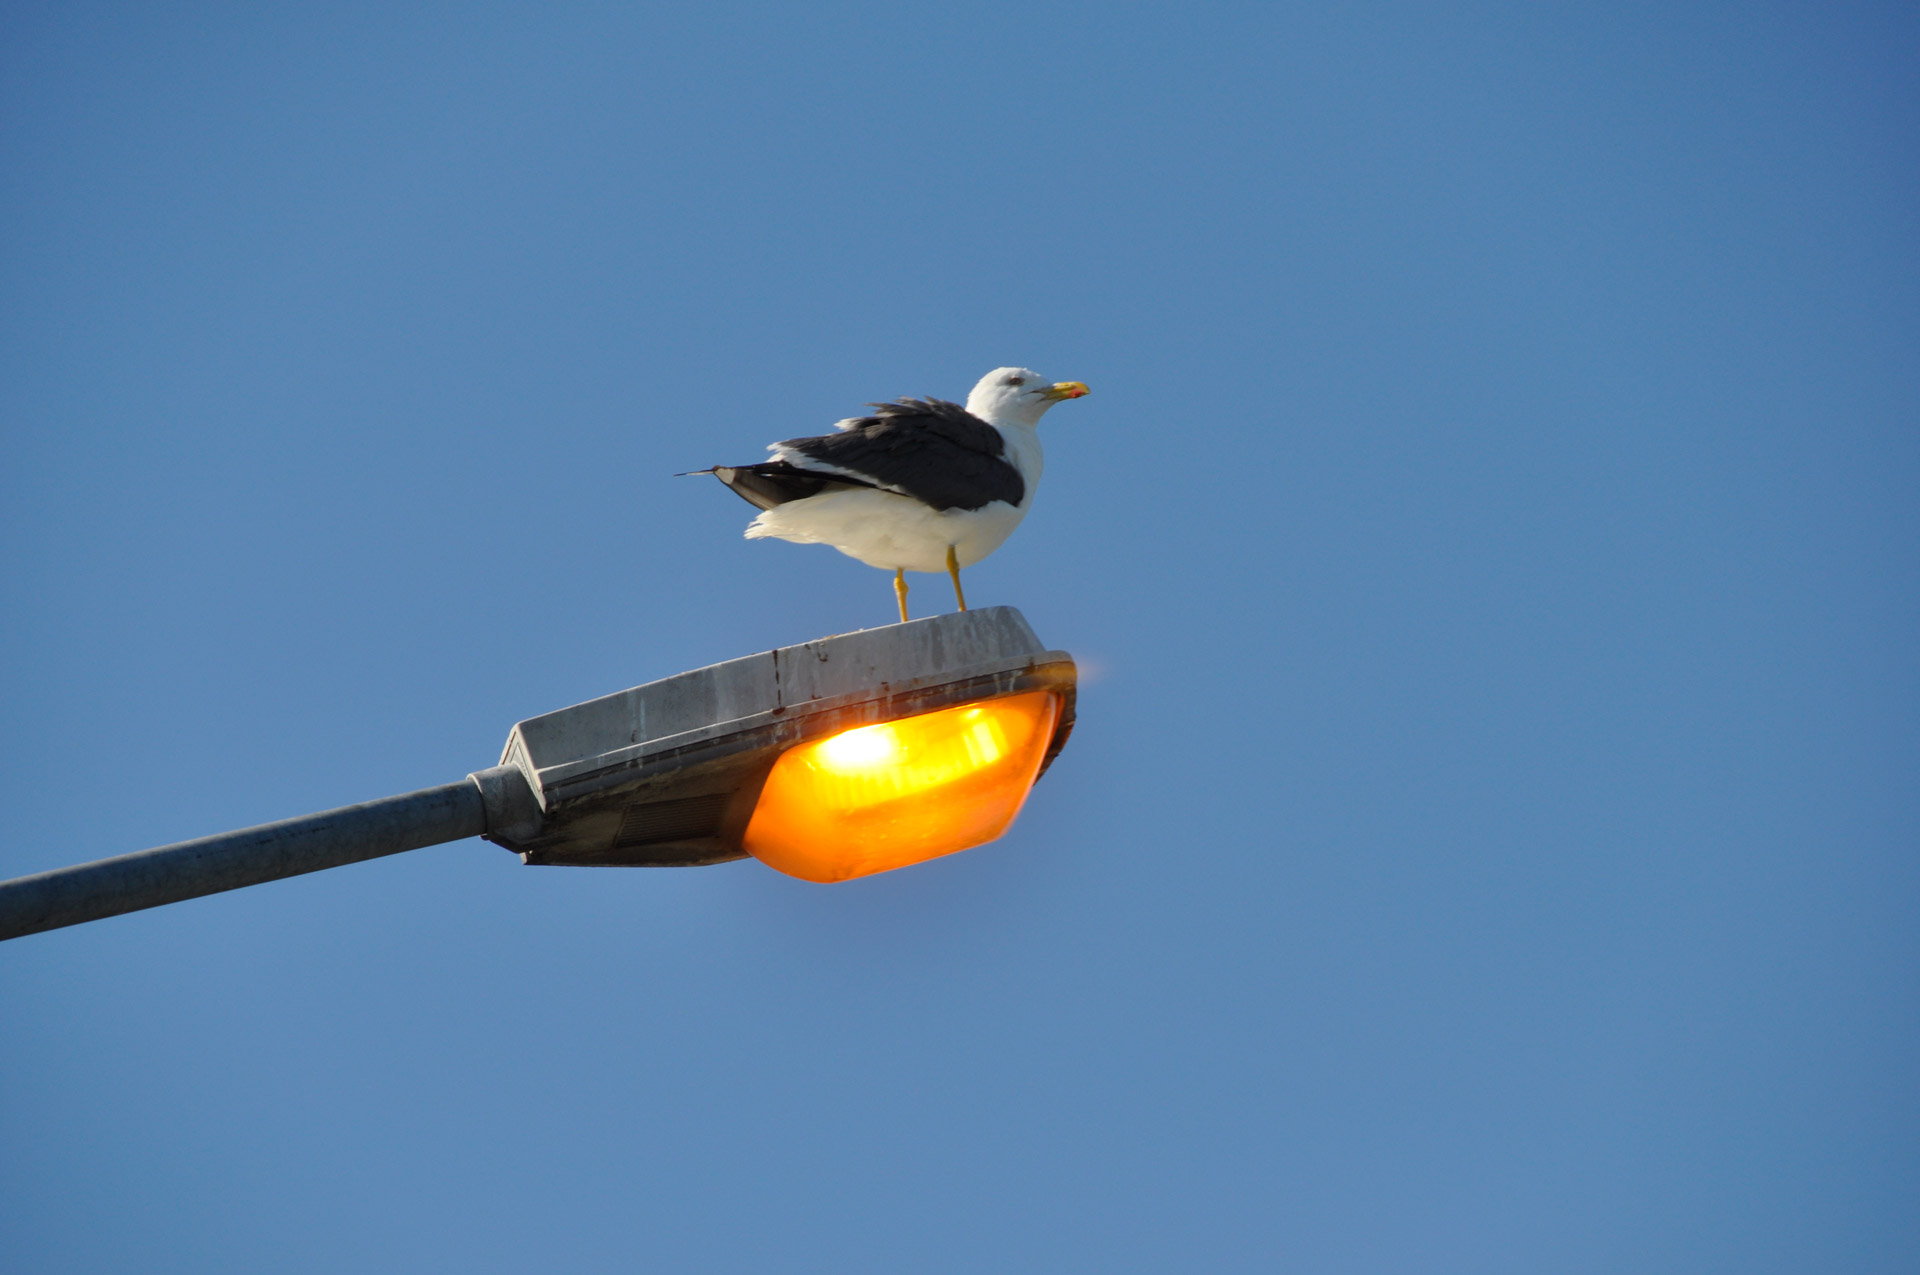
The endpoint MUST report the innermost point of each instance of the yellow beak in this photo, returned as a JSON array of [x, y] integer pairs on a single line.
[[1065, 389]]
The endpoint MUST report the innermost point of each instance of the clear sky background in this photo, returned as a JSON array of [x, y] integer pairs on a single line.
[[1489, 843]]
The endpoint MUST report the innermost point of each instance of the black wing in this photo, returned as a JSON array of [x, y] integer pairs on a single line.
[[937, 452], [776, 482]]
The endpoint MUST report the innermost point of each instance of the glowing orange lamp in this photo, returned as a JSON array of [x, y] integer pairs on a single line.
[[880, 797]]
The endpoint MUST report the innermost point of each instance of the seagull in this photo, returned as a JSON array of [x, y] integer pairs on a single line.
[[921, 485]]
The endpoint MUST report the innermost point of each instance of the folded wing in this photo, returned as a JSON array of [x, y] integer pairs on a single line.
[[929, 449]]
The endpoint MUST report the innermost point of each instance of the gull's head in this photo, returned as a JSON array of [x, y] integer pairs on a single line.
[[1018, 396]]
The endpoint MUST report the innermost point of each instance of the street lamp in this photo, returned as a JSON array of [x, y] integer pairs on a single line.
[[829, 760]]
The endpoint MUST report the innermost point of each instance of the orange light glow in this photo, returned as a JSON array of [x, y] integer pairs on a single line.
[[881, 797]]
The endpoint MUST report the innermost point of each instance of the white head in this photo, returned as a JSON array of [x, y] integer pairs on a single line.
[[1018, 396]]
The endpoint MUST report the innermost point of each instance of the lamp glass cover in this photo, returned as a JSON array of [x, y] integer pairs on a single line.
[[880, 797]]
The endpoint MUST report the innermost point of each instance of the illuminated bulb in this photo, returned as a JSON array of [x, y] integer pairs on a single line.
[[862, 748], [881, 797]]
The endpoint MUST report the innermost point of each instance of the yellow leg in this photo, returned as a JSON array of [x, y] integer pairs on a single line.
[[900, 591], [953, 569]]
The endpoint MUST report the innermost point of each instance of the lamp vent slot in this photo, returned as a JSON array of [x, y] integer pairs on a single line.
[[682, 819]]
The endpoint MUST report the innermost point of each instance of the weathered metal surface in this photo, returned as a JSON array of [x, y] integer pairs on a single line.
[[188, 869], [666, 774], [512, 808]]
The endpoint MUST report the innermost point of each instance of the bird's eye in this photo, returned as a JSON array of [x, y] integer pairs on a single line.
[[1016, 380]]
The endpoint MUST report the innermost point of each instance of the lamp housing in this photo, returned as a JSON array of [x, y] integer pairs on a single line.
[[673, 773]]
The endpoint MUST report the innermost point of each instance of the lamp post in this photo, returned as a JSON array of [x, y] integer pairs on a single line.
[[828, 760]]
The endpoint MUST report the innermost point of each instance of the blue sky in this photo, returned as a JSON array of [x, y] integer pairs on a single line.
[[1488, 843]]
